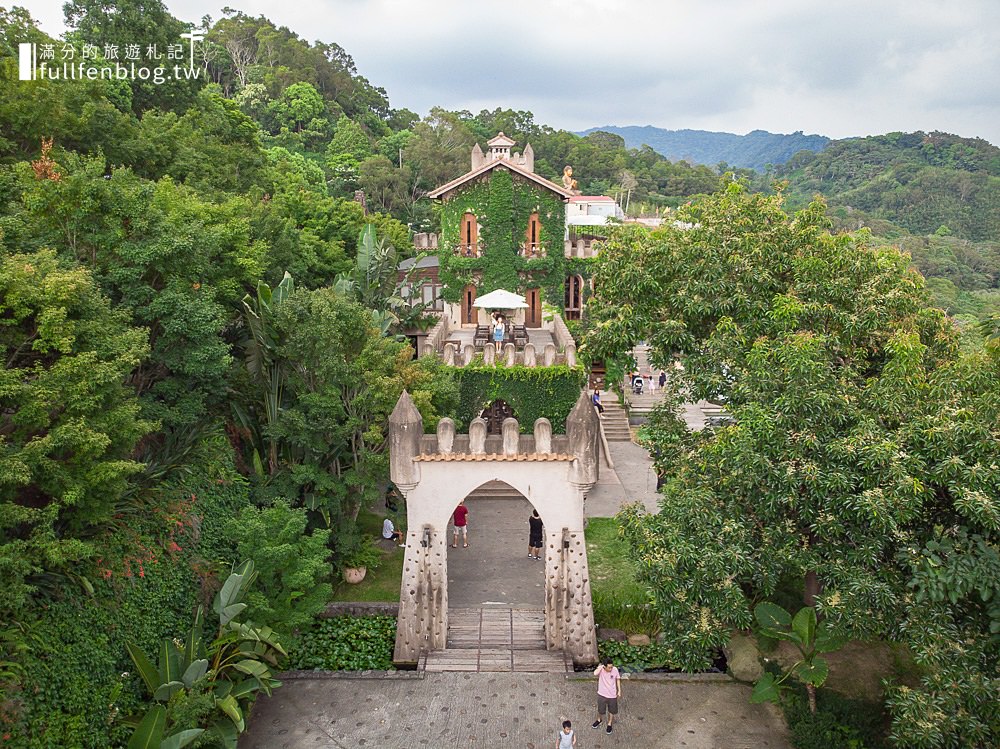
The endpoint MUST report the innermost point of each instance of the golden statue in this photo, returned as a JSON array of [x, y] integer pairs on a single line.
[[568, 182]]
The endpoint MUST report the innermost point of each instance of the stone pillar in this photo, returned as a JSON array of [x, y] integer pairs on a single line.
[[570, 355], [549, 355], [467, 354], [422, 623], [569, 610], [449, 354], [446, 435], [543, 436], [529, 355], [511, 436], [489, 355], [406, 427], [477, 436], [509, 353]]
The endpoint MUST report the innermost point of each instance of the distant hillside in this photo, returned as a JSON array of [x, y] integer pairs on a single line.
[[920, 181], [753, 150]]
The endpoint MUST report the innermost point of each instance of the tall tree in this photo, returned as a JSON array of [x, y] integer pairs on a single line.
[[68, 420]]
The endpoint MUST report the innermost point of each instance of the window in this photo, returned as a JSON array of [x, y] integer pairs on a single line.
[[531, 236], [468, 308], [573, 301], [469, 236]]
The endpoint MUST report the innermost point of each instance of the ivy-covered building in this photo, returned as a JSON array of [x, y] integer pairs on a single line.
[[504, 227]]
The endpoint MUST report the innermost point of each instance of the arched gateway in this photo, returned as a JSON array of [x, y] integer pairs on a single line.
[[435, 471]]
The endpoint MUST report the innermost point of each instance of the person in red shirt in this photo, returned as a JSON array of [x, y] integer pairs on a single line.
[[460, 520]]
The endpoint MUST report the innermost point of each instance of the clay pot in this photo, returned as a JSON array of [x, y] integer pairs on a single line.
[[354, 575]]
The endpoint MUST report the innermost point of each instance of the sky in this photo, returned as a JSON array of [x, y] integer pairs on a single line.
[[840, 69]]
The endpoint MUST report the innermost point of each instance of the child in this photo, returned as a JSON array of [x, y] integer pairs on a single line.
[[567, 736]]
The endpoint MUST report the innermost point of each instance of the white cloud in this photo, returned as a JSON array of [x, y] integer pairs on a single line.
[[848, 68]]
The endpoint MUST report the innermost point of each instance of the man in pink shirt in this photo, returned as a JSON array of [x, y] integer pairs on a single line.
[[609, 689]]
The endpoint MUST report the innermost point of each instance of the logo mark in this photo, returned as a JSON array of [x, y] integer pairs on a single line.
[[26, 61]]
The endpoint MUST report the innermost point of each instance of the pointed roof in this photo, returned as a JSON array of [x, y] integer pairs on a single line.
[[501, 140], [505, 164]]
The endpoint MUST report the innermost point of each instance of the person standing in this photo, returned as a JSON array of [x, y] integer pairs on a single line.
[[460, 521], [567, 736], [498, 333], [663, 380], [609, 691], [534, 536]]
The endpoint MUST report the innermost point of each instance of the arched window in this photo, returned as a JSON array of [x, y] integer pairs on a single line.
[[532, 236], [573, 301], [469, 236]]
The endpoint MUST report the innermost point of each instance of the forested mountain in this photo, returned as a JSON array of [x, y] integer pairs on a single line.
[[755, 150], [920, 181], [935, 195]]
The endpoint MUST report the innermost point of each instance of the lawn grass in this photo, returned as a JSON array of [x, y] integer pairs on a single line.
[[381, 583], [620, 601], [608, 557]]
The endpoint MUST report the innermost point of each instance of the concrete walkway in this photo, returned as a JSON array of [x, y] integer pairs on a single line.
[[445, 710]]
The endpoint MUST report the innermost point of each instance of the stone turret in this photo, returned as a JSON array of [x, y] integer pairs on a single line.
[[406, 427], [477, 157], [583, 428]]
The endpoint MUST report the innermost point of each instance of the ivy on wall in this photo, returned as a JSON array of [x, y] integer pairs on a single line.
[[503, 206], [532, 393]]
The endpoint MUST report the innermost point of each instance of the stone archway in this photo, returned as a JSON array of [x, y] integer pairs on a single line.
[[554, 472]]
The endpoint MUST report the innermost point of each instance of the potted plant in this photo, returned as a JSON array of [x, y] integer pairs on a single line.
[[361, 557]]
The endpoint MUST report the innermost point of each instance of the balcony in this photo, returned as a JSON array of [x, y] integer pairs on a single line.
[[532, 249], [468, 250]]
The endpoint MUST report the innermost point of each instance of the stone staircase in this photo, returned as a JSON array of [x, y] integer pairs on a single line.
[[614, 420], [496, 640]]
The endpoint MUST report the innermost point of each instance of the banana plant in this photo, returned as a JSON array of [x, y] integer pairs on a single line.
[[234, 667], [265, 367], [810, 638]]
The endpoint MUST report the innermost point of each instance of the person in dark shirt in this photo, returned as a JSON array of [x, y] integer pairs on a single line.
[[534, 536]]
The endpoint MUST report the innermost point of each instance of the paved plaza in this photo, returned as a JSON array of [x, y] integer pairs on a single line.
[[439, 710]]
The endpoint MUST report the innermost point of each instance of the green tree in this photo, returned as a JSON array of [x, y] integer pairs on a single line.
[[813, 341], [292, 565], [69, 421], [300, 108], [142, 22]]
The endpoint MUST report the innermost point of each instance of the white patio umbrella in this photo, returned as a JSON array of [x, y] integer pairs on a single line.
[[500, 299]]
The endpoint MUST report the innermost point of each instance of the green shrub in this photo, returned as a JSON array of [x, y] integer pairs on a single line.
[[346, 643], [839, 723], [532, 392], [293, 573], [637, 657], [624, 610]]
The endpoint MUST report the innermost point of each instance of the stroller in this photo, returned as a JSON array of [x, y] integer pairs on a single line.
[[637, 382]]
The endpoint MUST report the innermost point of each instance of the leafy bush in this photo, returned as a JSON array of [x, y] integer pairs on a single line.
[[637, 657], [292, 569], [532, 392], [839, 721], [346, 643]]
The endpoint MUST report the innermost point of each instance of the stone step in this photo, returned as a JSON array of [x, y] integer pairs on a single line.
[[496, 660]]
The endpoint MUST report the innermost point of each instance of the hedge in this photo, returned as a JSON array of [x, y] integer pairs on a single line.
[[532, 393]]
